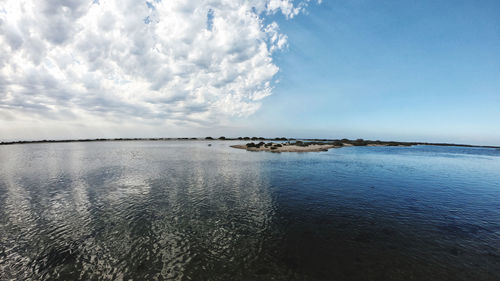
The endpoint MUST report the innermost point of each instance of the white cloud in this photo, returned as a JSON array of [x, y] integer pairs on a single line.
[[187, 61]]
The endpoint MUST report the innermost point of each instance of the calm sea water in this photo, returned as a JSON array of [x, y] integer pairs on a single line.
[[186, 211]]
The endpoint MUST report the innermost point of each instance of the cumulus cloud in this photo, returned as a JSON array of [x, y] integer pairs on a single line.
[[193, 61]]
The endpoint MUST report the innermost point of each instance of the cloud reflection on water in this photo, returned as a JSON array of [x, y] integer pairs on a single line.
[[127, 213]]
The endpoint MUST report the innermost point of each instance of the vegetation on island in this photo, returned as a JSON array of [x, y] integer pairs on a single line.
[[269, 145]]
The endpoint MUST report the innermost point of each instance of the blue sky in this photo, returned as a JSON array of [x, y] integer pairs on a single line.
[[409, 70], [390, 70]]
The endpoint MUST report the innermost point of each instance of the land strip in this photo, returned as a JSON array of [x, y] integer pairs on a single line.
[[331, 142]]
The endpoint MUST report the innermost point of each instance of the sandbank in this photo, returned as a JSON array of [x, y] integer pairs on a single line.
[[288, 148]]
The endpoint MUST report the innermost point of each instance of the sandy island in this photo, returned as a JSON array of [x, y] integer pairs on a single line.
[[284, 147], [312, 146]]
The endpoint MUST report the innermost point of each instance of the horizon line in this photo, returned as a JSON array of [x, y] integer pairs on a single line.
[[222, 138]]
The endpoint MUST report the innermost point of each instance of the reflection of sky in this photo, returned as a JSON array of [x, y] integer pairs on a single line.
[[107, 208], [181, 209]]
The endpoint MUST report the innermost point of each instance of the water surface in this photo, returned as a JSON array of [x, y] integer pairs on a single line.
[[181, 210]]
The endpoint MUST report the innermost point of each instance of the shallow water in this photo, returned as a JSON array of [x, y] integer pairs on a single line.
[[181, 210]]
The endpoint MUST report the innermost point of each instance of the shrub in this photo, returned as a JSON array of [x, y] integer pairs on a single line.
[[301, 143], [209, 138], [359, 142], [222, 138], [251, 144], [338, 143]]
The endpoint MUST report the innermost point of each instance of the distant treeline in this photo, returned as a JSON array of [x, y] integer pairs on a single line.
[[304, 142], [143, 139], [96, 140]]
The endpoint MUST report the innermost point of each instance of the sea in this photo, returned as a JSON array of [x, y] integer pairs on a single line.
[[184, 210]]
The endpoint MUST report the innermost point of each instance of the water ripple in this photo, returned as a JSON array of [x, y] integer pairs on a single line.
[[185, 211]]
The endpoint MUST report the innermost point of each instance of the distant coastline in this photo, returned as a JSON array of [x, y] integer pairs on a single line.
[[333, 142]]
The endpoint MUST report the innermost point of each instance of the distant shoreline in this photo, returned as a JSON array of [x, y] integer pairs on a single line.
[[358, 142]]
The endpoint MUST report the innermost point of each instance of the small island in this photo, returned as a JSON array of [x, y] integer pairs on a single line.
[[297, 146]]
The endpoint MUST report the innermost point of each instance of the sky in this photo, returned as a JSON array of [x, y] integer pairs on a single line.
[[388, 70]]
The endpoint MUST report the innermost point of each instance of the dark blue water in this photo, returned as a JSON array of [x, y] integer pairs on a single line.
[[186, 211]]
